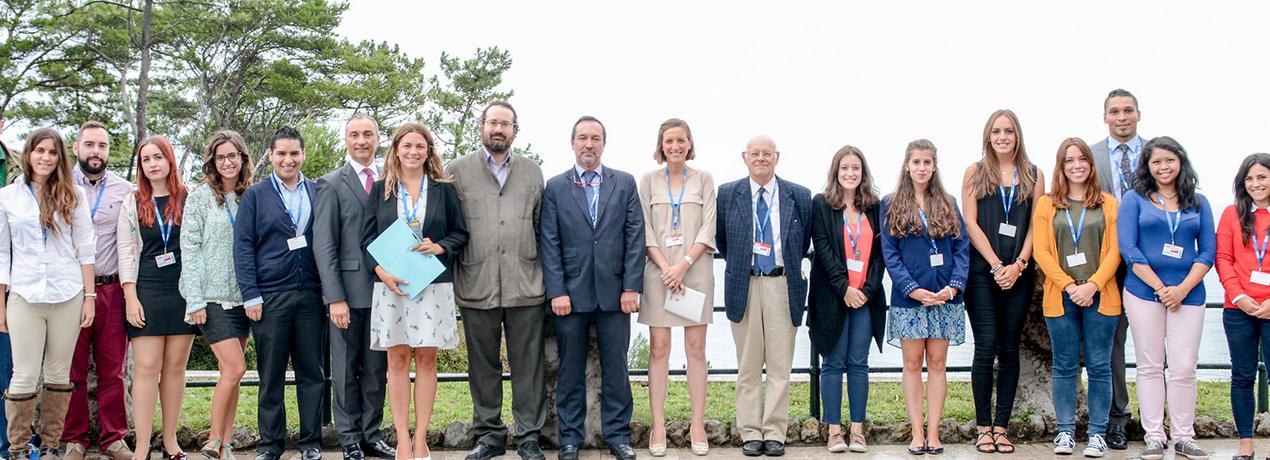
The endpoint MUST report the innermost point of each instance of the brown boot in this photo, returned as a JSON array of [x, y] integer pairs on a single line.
[[74, 451], [20, 410], [117, 450], [57, 398]]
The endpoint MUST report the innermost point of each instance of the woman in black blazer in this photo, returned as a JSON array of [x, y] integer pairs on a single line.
[[416, 190], [847, 309]]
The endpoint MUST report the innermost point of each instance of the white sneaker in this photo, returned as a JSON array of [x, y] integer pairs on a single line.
[[1064, 444], [1190, 449], [1097, 447]]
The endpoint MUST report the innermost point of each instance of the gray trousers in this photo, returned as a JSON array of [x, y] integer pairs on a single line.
[[359, 376], [484, 330], [1120, 415]]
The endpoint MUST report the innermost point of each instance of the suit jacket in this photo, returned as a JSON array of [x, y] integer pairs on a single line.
[[826, 311], [1102, 161], [442, 223], [338, 215], [592, 265], [262, 261], [735, 240]]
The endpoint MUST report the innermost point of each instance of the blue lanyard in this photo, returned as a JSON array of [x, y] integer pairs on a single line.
[[232, 223], [1076, 229], [1169, 217], [1008, 203], [854, 237], [674, 205], [298, 206], [101, 190], [761, 224], [921, 213], [1260, 251], [411, 212], [165, 227], [43, 230]]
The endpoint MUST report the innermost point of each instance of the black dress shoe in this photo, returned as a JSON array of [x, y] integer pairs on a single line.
[[354, 452], [267, 456], [310, 454], [381, 449], [622, 451], [918, 450], [934, 450], [529, 450], [752, 448], [773, 448], [484, 451], [568, 452], [1116, 439]]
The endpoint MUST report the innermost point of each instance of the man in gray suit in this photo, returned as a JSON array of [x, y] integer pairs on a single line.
[[1116, 157], [498, 285], [359, 374]]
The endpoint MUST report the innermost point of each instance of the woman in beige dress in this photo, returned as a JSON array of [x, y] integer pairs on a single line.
[[679, 223]]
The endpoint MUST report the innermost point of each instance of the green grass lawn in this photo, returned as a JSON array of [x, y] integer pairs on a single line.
[[886, 403]]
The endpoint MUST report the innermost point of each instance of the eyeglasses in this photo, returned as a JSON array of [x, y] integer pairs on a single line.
[[763, 155], [224, 158], [499, 124]]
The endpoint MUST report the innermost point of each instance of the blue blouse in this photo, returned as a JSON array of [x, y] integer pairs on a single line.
[[1143, 232], [908, 261]]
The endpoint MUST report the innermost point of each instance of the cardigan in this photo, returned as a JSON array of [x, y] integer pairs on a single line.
[[207, 251], [826, 312], [1045, 252], [1236, 260], [908, 261], [263, 263], [1145, 230]]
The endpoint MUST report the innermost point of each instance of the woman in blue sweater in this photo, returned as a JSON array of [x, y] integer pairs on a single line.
[[927, 254], [1167, 238]]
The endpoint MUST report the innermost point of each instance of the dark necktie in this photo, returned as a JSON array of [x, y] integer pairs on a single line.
[[1126, 168], [763, 233], [592, 194]]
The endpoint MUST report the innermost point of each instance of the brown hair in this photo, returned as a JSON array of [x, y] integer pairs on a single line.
[[986, 179], [866, 195], [1093, 191], [902, 216], [58, 196], [212, 177], [431, 166], [658, 155], [91, 125]]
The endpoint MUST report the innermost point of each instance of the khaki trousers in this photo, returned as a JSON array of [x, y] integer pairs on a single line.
[[46, 332], [765, 336]]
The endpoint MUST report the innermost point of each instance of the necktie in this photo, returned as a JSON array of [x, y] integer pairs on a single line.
[[370, 178], [763, 229], [1126, 169], [592, 194]]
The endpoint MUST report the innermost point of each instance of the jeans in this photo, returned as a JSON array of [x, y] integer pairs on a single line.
[[1243, 334], [850, 354], [6, 373], [1096, 331], [996, 319]]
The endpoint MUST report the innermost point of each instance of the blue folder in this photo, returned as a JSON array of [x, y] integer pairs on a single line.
[[392, 250]]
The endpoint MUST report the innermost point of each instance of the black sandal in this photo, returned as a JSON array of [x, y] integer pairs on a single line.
[[980, 445], [1002, 446]]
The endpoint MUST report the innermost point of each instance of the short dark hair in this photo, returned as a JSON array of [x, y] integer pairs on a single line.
[[604, 135], [90, 125], [1118, 92], [504, 104], [286, 132]]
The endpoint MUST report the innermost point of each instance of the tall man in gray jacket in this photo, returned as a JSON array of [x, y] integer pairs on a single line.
[[358, 374], [498, 285]]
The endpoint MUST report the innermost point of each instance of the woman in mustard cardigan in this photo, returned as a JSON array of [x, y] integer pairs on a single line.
[[1075, 245]]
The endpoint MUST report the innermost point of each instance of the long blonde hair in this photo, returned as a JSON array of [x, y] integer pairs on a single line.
[[986, 177], [58, 196], [902, 216], [431, 166]]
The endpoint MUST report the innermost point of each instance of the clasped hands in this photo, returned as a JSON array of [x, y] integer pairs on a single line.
[[933, 299]]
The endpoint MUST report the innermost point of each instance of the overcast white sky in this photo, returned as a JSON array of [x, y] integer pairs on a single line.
[[818, 75]]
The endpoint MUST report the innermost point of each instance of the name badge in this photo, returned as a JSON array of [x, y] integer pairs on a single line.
[[674, 239], [1076, 260], [936, 260], [1172, 250], [855, 265], [414, 224], [165, 259], [1007, 230], [1261, 278], [297, 243], [762, 249]]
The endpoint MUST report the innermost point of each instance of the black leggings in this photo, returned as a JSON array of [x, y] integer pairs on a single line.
[[996, 320]]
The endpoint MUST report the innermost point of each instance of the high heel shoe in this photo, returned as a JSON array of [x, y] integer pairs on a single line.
[[176, 456], [701, 448]]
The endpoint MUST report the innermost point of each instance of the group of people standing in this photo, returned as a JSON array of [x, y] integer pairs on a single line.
[[285, 259]]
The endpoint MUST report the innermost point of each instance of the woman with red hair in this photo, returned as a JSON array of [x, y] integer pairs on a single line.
[[150, 271]]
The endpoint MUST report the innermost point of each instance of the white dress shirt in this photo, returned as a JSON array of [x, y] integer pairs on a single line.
[[43, 272], [361, 169], [773, 203]]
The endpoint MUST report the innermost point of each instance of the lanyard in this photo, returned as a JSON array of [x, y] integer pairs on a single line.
[[298, 206], [1076, 229], [675, 205], [101, 190], [921, 213], [1007, 203], [43, 230], [165, 227], [1169, 217], [760, 224], [232, 223], [1260, 251], [854, 237], [411, 212]]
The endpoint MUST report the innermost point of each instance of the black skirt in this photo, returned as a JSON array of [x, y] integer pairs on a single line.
[[157, 287]]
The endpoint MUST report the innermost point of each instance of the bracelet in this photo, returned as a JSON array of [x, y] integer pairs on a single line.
[[1024, 261], [90, 295], [688, 259], [996, 268]]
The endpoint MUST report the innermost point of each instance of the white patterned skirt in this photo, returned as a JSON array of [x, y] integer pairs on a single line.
[[427, 321]]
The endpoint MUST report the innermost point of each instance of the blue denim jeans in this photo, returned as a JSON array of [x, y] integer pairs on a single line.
[[849, 355], [1082, 325], [1243, 335], [6, 373]]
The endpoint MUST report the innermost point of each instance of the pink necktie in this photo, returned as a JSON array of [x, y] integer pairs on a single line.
[[370, 179]]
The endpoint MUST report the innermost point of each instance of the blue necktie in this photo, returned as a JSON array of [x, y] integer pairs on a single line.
[[592, 194], [763, 233]]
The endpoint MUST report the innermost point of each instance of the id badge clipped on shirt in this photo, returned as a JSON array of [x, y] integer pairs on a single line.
[[1007, 230], [936, 260], [1260, 277], [297, 243], [165, 259], [1172, 250], [762, 249], [674, 239], [1076, 260], [855, 265]]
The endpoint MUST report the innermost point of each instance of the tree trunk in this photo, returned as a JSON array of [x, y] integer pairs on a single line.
[[143, 82]]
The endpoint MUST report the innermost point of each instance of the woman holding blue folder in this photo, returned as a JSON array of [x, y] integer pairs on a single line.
[[416, 190]]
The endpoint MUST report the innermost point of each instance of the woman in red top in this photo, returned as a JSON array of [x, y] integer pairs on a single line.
[[1243, 236]]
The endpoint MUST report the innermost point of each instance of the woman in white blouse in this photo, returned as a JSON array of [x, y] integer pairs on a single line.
[[47, 248]]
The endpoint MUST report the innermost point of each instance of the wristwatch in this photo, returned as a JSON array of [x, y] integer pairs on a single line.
[[688, 259]]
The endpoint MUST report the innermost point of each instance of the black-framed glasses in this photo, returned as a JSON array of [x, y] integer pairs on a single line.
[[224, 158]]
